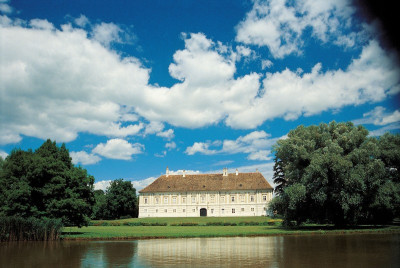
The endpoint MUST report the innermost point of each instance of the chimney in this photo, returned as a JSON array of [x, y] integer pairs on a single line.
[[167, 172], [184, 173], [225, 172], [257, 170], [237, 172]]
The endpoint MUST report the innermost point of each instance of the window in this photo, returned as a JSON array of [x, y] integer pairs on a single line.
[[174, 199], [212, 198], [233, 210], [194, 210], [156, 210], [222, 199], [252, 198], [156, 200], [212, 211], [242, 209], [203, 199], [184, 210], [145, 200], [165, 210], [242, 198], [145, 210], [174, 210], [165, 200], [222, 211], [264, 198], [232, 199], [183, 200], [193, 199], [252, 209]]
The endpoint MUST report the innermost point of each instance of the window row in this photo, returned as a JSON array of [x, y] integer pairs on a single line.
[[157, 200]]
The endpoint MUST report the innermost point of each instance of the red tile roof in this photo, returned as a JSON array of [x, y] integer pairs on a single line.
[[208, 182]]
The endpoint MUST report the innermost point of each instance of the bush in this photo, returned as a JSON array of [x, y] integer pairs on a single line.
[[29, 229], [185, 224]]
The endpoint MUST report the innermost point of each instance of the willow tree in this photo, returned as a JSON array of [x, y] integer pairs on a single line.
[[335, 173]]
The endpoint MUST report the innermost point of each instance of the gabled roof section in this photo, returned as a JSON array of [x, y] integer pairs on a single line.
[[208, 182]]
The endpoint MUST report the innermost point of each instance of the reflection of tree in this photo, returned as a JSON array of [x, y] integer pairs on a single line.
[[42, 254], [119, 254]]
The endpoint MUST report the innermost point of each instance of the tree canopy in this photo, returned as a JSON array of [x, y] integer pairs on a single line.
[[45, 183], [118, 201], [335, 173]]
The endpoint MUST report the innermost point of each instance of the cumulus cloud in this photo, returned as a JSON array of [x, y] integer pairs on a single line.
[[59, 82], [3, 154], [170, 145], [118, 149], [84, 158], [279, 24], [288, 94], [256, 144], [379, 117], [102, 185], [5, 7]]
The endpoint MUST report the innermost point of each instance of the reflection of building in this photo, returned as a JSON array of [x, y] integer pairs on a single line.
[[215, 195], [211, 252]]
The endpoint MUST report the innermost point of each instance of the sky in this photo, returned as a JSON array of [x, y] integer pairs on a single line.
[[134, 87]]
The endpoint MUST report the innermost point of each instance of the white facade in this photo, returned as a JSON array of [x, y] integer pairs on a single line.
[[205, 203]]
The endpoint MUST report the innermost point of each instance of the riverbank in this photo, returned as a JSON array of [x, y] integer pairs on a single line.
[[204, 227]]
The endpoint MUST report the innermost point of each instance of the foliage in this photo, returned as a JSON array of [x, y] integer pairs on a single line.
[[119, 201], [28, 229], [335, 173], [45, 183]]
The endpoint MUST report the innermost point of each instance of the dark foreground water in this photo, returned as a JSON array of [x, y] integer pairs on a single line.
[[365, 250]]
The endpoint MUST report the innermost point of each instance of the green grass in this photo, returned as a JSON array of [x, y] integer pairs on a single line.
[[120, 231]]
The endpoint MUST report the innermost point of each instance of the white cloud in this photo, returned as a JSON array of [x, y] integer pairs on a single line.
[[266, 64], [5, 7], [154, 127], [256, 144], [170, 145], [168, 134], [199, 147], [383, 130], [379, 117], [41, 24], [140, 184], [84, 158], [106, 33], [52, 88], [370, 78], [57, 83], [3, 154], [102, 185], [118, 149], [82, 21], [280, 24]]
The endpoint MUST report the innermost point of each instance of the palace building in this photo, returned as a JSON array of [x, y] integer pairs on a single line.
[[211, 195]]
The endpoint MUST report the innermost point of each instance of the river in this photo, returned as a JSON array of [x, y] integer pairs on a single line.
[[358, 250]]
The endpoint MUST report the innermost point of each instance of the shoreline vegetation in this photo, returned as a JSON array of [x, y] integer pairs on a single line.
[[159, 228]]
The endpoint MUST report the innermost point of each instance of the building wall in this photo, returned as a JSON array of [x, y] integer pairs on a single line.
[[217, 204]]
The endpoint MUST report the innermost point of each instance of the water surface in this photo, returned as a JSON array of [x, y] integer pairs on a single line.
[[361, 250]]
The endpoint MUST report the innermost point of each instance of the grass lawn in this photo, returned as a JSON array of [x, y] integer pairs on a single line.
[[117, 229]]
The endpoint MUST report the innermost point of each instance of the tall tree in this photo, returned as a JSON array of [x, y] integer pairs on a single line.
[[336, 173], [45, 183], [121, 200]]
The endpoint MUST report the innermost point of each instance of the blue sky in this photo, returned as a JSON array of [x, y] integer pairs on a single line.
[[132, 87]]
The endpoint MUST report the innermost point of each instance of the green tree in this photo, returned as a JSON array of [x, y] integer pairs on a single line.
[[45, 183], [99, 209], [336, 173], [121, 200]]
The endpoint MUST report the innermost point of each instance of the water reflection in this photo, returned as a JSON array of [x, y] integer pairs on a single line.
[[282, 251], [209, 252]]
